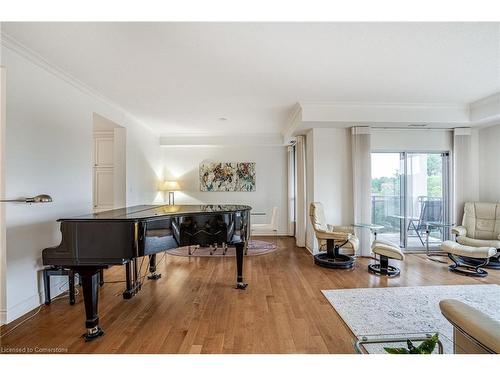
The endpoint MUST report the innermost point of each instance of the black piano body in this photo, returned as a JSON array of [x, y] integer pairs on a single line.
[[116, 237]]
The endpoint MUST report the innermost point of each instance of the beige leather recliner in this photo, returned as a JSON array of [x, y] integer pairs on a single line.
[[473, 331], [477, 239], [334, 238]]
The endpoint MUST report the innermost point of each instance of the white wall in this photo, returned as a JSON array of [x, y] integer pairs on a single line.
[[49, 150], [182, 164], [3, 254], [329, 176], [310, 182], [489, 164]]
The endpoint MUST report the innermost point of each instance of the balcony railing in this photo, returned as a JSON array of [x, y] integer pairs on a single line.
[[387, 210]]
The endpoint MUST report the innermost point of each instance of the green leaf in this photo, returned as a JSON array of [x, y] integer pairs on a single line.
[[428, 346], [396, 350]]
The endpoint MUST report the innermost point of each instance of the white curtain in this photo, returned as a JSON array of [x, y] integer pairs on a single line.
[[300, 191], [291, 190], [361, 170], [465, 173]]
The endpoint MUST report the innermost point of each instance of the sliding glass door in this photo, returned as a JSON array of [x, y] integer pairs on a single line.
[[387, 195], [410, 194]]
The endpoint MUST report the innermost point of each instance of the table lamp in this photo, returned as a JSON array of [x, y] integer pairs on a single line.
[[171, 187]]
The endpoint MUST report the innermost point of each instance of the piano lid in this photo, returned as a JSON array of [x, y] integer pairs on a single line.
[[151, 211]]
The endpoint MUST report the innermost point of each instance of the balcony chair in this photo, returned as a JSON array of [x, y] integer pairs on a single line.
[[334, 238], [477, 240], [473, 331], [431, 209]]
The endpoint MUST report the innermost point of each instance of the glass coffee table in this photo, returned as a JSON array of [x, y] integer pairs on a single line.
[[375, 344]]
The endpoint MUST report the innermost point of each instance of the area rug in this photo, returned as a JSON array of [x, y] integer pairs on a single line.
[[255, 247], [406, 310]]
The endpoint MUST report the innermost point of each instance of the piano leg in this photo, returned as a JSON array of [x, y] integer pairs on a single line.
[[152, 268], [240, 249], [90, 287]]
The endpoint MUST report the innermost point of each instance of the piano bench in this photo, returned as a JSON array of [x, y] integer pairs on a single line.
[[61, 271]]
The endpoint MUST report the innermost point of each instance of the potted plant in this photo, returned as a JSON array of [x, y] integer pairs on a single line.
[[426, 347]]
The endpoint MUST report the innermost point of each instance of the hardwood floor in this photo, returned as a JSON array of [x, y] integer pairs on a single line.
[[194, 307]]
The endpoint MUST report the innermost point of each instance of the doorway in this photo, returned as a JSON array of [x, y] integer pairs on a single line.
[[410, 195], [109, 165]]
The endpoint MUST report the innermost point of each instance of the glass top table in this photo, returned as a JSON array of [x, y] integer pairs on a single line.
[[428, 226], [375, 344], [374, 228]]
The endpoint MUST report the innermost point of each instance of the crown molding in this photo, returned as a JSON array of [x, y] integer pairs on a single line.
[[294, 120], [383, 104], [205, 140], [14, 45], [486, 111], [359, 113]]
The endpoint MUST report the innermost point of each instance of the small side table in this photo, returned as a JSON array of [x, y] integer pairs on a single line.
[[374, 228], [428, 226]]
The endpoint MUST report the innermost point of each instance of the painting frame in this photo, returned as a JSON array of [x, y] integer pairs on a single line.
[[217, 176]]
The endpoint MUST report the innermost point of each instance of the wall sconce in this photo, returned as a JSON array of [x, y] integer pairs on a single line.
[[42, 198], [171, 187]]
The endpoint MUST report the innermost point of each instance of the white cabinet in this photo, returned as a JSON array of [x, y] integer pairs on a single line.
[[103, 188]]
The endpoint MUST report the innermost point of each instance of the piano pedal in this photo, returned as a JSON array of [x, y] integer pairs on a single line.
[[154, 276], [212, 252], [93, 333], [193, 249], [240, 285], [224, 247]]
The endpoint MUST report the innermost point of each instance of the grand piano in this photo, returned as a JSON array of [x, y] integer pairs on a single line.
[[96, 241]]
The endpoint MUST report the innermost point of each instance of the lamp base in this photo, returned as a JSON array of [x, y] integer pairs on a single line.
[[171, 200]]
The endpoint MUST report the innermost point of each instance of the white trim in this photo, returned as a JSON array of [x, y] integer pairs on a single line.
[[397, 129], [23, 307], [269, 234], [384, 104], [3, 317], [203, 140], [385, 113], [462, 131], [3, 246], [13, 44], [294, 121], [355, 130]]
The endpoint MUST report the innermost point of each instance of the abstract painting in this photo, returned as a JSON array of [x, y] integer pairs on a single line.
[[218, 176]]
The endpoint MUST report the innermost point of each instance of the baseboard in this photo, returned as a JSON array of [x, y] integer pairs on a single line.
[[22, 307], [308, 249], [30, 303], [3, 317], [261, 234]]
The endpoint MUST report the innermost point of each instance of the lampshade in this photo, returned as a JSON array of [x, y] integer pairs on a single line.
[[169, 186]]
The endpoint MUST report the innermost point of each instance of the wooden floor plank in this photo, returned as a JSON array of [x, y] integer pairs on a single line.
[[194, 307]]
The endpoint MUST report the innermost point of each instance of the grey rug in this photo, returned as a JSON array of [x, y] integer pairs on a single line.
[[255, 247], [405, 310]]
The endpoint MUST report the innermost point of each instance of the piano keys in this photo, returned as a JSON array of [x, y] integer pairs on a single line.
[[93, 242]]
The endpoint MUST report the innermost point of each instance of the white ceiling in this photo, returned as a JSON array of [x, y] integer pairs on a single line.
[[183, 77]]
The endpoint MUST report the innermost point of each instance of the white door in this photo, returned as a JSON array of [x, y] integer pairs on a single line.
[[103, 151], [103, 188]]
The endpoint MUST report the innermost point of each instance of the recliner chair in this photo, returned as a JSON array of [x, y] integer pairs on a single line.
[[334, 237], [473, 331], [477, 239]]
